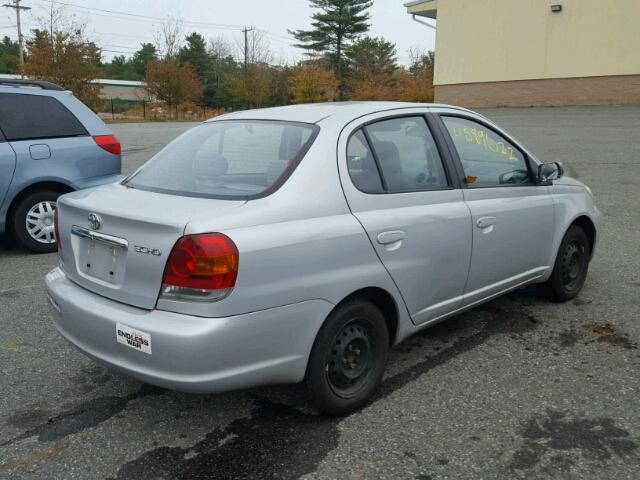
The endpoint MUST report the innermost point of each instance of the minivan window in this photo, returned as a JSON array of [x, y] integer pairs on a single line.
[[28, 117], [237, 159], [488, 159]]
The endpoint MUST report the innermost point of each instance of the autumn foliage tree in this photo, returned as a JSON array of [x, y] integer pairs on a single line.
[[67, 59], [416, 83], [252, 86], [313, 82], [170, 82]]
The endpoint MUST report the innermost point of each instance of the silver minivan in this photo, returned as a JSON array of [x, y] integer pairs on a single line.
[[302, 242]]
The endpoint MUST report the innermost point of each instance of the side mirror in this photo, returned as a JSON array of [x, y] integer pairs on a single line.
[[549, 171]]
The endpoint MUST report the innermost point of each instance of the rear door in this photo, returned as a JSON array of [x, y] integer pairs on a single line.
[[512, 216], [7, 166], [399, 186]]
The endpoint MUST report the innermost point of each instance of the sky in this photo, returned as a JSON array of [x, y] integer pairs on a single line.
[[120, 34]]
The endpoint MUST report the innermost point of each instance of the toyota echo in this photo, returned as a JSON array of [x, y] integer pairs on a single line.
[[300, 243]]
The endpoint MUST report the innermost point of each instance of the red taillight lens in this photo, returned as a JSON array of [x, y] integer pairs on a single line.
[[201, 267], [109, 143]]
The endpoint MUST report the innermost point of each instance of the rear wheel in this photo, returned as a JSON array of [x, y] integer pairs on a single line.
[[32, 221], [348, 358], [571, 266]]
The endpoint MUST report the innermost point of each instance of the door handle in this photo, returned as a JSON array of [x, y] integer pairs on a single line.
[[393, 236], [485, 222]]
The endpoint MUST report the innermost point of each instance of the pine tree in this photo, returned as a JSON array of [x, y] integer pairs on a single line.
[[371, 56], [147, 53], [334, 27], [195, 53]]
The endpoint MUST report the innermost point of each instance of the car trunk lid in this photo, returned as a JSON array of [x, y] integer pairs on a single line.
[[116, 240]]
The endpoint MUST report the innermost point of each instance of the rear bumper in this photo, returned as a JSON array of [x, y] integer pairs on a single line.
[[191, 354]]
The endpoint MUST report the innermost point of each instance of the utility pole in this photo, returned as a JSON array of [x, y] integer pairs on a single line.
[[17, 7], [245, 30]]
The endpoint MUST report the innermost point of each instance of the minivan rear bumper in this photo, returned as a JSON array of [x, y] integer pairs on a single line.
[[188, 353]]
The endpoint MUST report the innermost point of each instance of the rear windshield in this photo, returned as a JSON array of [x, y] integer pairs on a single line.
[[235, 159]]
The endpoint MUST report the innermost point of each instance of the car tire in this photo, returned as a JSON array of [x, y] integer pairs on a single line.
[[35, 207], [348, 358], [571, 266]]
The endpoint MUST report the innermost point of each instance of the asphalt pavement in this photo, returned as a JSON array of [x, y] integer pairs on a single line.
[[517, 388]]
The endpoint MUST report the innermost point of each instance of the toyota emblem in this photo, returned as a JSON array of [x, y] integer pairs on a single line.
[[94, 221]]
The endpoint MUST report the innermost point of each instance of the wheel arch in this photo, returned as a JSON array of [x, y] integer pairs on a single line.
[[382, 299], [34, 187], [587, 225]]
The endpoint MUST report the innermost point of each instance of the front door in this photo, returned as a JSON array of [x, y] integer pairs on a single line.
[[512, 216], [398, 187]]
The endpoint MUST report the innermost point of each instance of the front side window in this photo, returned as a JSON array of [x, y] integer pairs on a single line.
[[227, 159], [27, 117], [487, 158]]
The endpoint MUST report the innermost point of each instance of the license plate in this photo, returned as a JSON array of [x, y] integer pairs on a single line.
[[133, 338], [100, 260]]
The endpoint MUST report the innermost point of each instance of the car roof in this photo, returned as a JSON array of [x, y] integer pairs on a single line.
[[316, 112]]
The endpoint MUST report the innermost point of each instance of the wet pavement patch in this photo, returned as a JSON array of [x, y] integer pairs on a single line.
[[276, 441], [595, 333], [568, 338], [554, 436], [86, 415], [607, 333]]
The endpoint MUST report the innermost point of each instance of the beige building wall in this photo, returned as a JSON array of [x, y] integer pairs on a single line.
[[486, 41], [493, 40]]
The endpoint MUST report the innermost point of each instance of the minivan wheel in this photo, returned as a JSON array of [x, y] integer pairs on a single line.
[[32, 221], [348, 358], [571, 266]]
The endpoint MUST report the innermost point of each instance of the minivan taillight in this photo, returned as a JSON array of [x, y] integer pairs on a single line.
[[110, 143], [201, 268]]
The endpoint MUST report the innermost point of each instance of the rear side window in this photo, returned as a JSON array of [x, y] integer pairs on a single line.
[[27, 117], [236, 159], [395, 155], [362, 166]]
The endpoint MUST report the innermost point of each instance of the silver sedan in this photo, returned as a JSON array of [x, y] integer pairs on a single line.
[[302, 242]]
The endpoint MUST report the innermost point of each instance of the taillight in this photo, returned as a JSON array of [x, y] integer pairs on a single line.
[[109, 143], [201, 268], [56, 232]]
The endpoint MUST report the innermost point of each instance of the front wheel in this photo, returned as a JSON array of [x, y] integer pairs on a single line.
[[571, 266], [348, 358], [32, 221]]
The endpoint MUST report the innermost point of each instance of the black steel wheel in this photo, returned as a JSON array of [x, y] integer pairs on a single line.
[[571, 266], [348, 357]]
